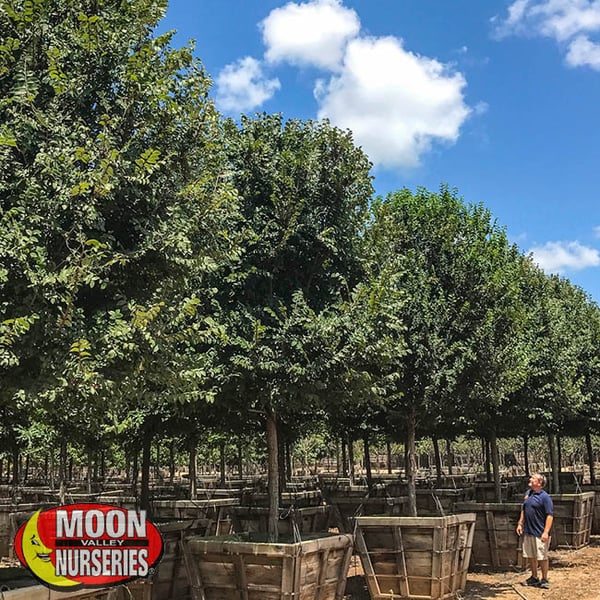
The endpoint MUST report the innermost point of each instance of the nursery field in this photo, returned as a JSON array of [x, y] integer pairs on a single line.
[[573, 575]]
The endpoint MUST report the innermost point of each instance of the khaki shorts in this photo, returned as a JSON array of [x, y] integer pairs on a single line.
[[533, 547]]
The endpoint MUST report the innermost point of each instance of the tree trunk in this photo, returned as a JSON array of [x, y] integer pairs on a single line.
[[559, 457], [367, 451], [351, 460], [157, 472], [145, 483], [289, 467], [388, 450], [192, 467], [590, 457], [135, 471], [240, 460], [526, 454], [51, 472], [89, 471], [438, 462], [273, 476], [62, 471], [553, 451], [344, 458], [26, 473], [281, 461], [411, 463], [222, 466], [450, 456], [172, 462], [488, 462], [495, 466], [15, 466]]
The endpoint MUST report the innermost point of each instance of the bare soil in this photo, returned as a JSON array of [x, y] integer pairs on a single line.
[[574, 575]]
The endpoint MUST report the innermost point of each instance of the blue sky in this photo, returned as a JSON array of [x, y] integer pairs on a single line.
[[497, 98]]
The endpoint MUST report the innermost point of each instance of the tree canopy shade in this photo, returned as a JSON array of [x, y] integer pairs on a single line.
[[114, 201]]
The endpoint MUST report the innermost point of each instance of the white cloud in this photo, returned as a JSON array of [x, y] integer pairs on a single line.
[[582, 52], [569, 22], [513, 22], [313, 33], [558, 257], [396, 103], [597, 231], [242, 86]]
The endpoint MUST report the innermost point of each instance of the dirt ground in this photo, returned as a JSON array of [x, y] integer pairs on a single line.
[[574, 575]]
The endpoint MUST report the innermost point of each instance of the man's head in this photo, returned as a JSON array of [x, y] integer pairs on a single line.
[[537, 481]]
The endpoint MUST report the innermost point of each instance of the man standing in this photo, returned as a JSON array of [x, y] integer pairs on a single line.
[[534, 524]]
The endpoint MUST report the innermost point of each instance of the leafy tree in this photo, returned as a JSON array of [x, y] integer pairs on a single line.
[[114, 205], [554, 395], [460, 279], [304, 190]]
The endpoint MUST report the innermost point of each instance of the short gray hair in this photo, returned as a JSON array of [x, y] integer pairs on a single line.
[[541, 478]]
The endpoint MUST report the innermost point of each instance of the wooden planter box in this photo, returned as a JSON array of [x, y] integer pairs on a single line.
[[295, 499], [345, 509], [596, 513], [510, 490], [135, 590], [434, 501], [424, 558], [214, 513], [311, 519], [237, 568], [496, 545], [171, 580], [441, 502], [11, 518], [346, 491], [573, 514]]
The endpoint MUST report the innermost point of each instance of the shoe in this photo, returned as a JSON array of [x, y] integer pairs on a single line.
[[532, 582], [544, 583]]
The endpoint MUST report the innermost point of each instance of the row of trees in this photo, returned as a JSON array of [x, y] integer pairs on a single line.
[[165, 270]]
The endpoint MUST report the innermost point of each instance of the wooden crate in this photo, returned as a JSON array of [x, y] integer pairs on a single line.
[[573, 514], [171, 582], [441, 502], [215, 512], [135, 590], [294, 499], [510, 491], [596, 511], [423, 558], [12, 516], [310, 519], [496, 545], [345, 509], [240, 568]]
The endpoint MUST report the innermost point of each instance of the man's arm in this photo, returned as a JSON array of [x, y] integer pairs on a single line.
[[546, 533], [520, 523]]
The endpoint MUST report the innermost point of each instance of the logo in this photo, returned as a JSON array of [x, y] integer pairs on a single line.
[[88, 545]]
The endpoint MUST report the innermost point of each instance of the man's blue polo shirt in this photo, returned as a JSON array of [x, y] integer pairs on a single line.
[[536, 507]]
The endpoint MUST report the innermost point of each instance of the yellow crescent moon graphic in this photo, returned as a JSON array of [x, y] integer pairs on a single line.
[[37, 555]]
